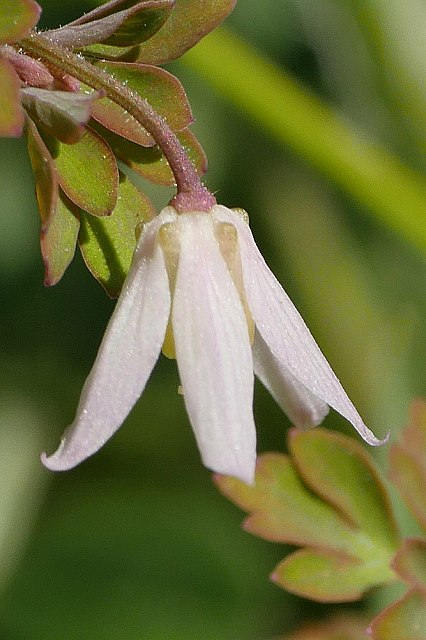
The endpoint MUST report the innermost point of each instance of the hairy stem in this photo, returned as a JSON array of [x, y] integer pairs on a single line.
[[191, 193]]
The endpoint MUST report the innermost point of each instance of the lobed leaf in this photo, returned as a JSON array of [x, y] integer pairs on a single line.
[[61, 113], [17, 18], [87, 172], [127, 27], [59, 220], [188, 23], [11, 113], [340, 470], [324, 576], [410, 563], [339, 627], [329, 498], [282, 509], [150, 162], [403, 620], [107, 244], [162, 91], [408, 463]]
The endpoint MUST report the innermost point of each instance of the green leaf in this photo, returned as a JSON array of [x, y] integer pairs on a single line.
[[11, 113], [87, 172], [150, 162], [107, 244], [62, 114], [408, 464], [115, 54], [59, 219], [161, 89], [410, 562], [59, 238], [324, 576], [124, 28], [17, 18], [188, 23], [404, 620], [341, 471], [329, 498]]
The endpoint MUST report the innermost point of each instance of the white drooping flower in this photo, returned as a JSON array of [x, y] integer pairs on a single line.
[[199, 288]]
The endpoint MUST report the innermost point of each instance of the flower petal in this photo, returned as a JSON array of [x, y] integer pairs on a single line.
[[284, 331], [304, 408], [126, 357], [213, 352]]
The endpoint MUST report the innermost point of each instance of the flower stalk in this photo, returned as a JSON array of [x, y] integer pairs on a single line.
[[191, 193]]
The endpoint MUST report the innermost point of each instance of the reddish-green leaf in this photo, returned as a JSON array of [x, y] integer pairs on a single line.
[[107, 244], [150, 162], [408, 462], [404, 620], [325, 576], [161, 89], [32, 72], [87, 172], [11, 113], [46, 180], [59, 239], [283, 510], [410, 562], [62, 114], [17, 18], [329, 498], [189, 22], [59, 221], [127, 27], [339, 627], [341, 471]]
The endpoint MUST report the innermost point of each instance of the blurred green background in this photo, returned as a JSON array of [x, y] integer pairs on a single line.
[[136, 543]]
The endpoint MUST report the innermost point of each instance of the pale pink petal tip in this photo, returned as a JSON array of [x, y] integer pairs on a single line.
[[376, 442], [63, 460]]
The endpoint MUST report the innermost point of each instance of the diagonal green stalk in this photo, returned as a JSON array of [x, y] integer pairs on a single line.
[[191, 193], [393, 192]]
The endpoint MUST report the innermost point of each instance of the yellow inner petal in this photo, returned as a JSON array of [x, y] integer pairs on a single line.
[[227, 237], [168, 237]]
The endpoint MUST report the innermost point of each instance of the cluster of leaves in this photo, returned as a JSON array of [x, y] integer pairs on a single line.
[[76, 135], [328, 498]]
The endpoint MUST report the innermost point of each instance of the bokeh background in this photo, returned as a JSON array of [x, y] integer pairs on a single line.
[[136, 543]]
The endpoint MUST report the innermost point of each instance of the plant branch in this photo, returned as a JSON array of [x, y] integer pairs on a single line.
[[191, 193]]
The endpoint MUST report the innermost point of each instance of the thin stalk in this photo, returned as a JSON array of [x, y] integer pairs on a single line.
[[191, 193]]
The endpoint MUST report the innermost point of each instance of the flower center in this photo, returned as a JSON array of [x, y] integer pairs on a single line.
[[226, 236]]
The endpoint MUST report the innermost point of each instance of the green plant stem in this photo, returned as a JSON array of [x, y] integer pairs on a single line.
[[393, 192], [191, 193]]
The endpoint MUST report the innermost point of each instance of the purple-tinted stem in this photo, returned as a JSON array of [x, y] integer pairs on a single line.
[[191, 193]]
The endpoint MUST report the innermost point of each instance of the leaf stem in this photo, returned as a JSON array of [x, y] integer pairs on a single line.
[[191, 193]]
